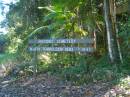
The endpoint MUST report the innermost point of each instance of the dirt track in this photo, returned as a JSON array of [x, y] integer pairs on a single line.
[[50, 86]]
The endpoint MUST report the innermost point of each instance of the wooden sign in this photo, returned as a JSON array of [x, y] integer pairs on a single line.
[[60, 49], [46, 41]]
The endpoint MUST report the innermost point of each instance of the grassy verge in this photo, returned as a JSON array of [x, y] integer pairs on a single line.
[[92, 70], [6, 58]]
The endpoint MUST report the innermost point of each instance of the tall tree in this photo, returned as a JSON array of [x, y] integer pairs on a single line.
[[110, 20]]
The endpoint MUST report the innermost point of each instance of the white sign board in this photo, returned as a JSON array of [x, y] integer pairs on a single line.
[[59, 49], [89, 42], [45, 41]]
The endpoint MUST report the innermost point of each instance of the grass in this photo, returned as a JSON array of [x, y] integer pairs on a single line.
[[92, 70], [6, 57], [85, 70]]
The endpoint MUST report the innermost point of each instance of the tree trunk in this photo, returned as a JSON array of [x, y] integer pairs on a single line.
[[114, 21], [128, 7], [111, 31]]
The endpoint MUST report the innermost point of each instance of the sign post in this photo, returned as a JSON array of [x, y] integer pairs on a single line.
[[82, 45], [90, 45]]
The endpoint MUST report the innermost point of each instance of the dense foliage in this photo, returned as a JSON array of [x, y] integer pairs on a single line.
[[45, 19]]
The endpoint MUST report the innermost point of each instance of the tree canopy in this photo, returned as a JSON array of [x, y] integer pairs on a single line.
[[107, 21]]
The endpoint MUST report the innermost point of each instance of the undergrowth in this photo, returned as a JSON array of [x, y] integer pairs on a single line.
[[83, 70], [6, 57], [89, 69]]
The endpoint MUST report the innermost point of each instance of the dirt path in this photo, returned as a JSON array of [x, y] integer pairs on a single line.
[[50, 86]]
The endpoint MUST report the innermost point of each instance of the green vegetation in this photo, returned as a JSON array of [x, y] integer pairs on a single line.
[[6, 58], [60, 19]]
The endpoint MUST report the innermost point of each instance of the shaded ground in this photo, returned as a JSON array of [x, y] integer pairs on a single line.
[[44, 85], [49, 86]]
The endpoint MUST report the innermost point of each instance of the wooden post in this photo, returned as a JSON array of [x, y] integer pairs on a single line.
[[35, 63], [95, 40]]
